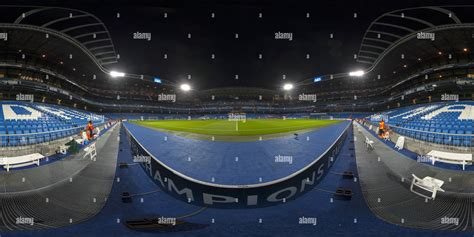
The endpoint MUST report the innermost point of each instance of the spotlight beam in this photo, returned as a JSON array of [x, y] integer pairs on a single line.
[[185, 87], [287, 86], [358, 73], [116, 74]]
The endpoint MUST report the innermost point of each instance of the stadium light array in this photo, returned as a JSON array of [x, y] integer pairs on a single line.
[[116, 74], [358, 73], [185, 87], [287, 86]]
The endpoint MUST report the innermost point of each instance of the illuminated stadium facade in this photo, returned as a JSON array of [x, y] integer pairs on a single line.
[[166, 157]]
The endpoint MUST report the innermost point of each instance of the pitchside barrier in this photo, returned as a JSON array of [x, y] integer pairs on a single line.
[[201, 193]]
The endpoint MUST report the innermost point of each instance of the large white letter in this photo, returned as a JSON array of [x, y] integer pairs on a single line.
[[213, 198]]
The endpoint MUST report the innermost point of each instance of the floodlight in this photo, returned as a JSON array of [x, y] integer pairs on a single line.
[[185, 87], [116, 74], [358, 73], [287, 87]]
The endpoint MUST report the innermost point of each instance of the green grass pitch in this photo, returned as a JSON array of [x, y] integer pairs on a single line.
[[251, 127]]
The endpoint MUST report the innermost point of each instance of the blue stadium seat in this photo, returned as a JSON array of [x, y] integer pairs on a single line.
[[41, 125], [443, 127]]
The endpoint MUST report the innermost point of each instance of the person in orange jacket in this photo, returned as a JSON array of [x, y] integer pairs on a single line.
[[90, 130], [381, 128]]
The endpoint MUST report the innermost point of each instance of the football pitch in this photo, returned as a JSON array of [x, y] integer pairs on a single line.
[[251, 127]]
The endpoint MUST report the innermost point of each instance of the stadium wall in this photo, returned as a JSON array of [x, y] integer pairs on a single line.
[[237, 196]]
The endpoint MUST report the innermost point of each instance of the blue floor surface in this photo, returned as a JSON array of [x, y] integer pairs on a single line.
[[237, 162], [334, 217]]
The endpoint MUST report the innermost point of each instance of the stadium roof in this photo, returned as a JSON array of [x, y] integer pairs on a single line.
[[80, 28], [69, 44], [402, 43], [394, 28]]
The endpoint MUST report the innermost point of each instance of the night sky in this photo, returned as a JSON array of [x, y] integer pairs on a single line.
[[282, 60]]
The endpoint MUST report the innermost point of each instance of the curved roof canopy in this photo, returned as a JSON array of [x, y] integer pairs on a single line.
[[393, 28], [79, 27]]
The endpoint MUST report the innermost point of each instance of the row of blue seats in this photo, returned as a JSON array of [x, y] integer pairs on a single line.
[[28, 131], [41, 126], [52, 123], [451, 140], [432, 121], [453, 121], [47, 118], [455, 127], [33, 139], [38, 120], [439, 130]]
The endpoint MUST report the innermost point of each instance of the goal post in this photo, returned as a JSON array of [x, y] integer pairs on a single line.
[[322, 116], [327, 117]]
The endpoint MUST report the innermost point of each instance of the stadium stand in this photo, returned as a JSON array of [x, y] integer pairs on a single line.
[[441, 123], [24, 123], [150, 116]]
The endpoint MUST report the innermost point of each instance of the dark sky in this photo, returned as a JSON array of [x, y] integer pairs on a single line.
[[255, 36]]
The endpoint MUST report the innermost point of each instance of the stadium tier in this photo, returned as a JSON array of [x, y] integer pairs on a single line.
[[23, 123], [441, 123], [148, 116]]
